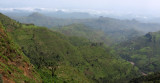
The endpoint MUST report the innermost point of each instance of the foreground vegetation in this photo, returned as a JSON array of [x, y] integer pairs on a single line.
[[14, 66]]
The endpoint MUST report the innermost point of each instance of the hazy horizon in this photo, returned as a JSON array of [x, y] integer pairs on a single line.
[[119, 7]]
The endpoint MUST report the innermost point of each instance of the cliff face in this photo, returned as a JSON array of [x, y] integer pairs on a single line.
[[14, 66]]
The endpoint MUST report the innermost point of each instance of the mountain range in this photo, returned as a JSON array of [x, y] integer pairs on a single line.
[[96, 50], [59, 58]]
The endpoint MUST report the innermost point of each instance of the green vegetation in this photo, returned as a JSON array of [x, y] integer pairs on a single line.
[[151, 78], [115, 30], [82, 31], [1, 81], [9, 23], [143, 51], [53, 52], [58, 58], [98, 35], [77, 53], [14, 66]]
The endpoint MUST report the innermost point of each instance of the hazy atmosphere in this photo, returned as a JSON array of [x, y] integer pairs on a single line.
[[139, 7], [79, 41]]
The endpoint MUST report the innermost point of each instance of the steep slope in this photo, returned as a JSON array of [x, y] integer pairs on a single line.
[[143, 51], [14, 66], [9, 23]]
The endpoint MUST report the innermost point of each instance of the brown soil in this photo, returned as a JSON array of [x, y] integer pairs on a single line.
[[6, 80]]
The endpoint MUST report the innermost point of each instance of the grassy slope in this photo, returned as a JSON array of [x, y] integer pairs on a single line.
[[14, 66]]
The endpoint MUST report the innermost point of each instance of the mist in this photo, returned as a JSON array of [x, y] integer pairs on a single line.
[[118, 7]]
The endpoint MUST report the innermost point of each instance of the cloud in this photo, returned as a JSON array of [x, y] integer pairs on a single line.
[[135, 6]]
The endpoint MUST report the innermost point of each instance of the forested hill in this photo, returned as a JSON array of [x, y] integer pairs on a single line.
[[58, 58], [82, 31], [15, 67], [114, 29], [98, 35], [143, 51]]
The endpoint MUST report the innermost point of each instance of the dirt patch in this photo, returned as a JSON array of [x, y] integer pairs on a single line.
[[6, 80]]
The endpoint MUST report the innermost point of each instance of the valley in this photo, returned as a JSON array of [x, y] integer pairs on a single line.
[[92, 50]]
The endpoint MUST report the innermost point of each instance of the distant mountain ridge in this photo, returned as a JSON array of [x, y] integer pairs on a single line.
[[99, 23], [116, 30]]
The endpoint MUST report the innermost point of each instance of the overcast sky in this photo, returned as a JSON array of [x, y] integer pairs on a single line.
[[134, 6]]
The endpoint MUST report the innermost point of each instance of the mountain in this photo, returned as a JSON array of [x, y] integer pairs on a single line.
[[98, 35], [14, 65], [104, 23], [69, 15], [42, 20], [149, 20], [116, 30], [59, 58], [61, 13], [110, 24]]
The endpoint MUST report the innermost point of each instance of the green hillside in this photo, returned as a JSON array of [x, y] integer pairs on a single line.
[[59, 58], [52, 50], [143, 51], [80, 30], [14, 66], [97, 35]]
